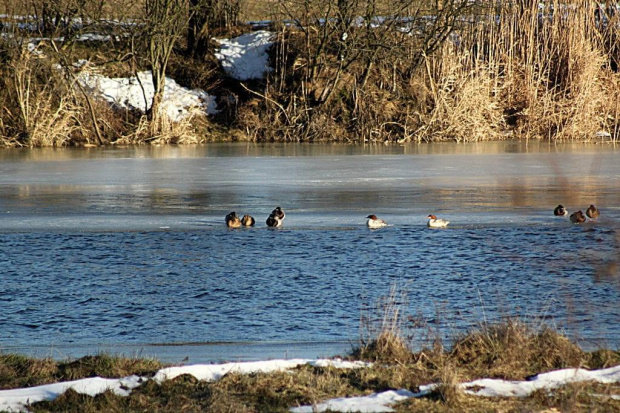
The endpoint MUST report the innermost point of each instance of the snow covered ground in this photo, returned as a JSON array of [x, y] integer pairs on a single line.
[[380, 402], [245, 57], [17, 399], [137, 93]]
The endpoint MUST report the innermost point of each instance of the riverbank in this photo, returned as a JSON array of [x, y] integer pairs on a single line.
[[523, 362], [470, 71]]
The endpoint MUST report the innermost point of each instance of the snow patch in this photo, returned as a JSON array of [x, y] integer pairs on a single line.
[[548, 381], [213, 372], [377, 402], [137, 93], [16, 400], [380, 402], [245, 57]]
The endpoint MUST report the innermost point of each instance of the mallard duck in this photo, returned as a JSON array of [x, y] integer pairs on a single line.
[[247, 221], [560, 211], [434, 222], [276, 218], [273, 221], [577, 217], [232, 220], [374, 222], [279, 213], [592, 212]]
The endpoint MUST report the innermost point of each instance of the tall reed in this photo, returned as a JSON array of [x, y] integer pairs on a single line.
[[532, 69], [42, 112]]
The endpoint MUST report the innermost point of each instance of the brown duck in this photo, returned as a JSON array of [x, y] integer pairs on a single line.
[[593, 213], [232, 220], [577, 217], [247, 221]]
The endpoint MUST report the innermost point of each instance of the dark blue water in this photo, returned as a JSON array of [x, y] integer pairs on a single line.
[[93, 258]]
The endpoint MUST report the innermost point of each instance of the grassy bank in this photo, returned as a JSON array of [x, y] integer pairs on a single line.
[[510, 351], [423, 71]]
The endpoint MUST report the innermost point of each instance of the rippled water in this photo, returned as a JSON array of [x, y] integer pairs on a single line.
[[126, 249]]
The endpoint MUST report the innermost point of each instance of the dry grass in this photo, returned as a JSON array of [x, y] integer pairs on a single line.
[[381, 334], [40, 108], [20, 371], [514, 351], [488, 352], [577, 397], [544, 74], [510, 70], [465, 107]]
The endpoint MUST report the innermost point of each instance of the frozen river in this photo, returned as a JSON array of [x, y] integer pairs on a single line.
[[125, 250]]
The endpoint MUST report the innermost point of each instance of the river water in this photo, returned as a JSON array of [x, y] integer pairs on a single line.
[[125, 250]]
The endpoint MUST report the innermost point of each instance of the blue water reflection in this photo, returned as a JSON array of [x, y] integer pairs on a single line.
[[104, 251]]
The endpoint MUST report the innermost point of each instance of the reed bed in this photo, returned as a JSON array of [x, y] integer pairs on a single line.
[[370, 72]]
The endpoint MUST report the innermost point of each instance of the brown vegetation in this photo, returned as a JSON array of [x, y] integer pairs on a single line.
[[20, 371], [349, 71], [509, 350]]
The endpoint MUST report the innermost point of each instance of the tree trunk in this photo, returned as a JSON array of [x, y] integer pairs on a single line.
[[198, 29]]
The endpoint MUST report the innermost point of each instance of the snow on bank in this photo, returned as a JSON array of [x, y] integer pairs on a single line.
[[213, 372], [377, 402], [380, 402], [551, 380], [16, 400], [245, 57], [137, 93]]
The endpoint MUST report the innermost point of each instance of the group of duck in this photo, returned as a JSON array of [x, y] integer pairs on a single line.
[[274, 220], [578, 217], [433, 222], [277, 216]]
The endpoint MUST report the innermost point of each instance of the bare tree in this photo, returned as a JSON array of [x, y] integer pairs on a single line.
[[64, 16], [206, 16], [367, 31], [165, 22]]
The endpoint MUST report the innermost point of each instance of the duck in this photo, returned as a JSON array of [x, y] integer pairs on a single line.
[[248, 221], [232, 220], [434, 222], [273, 221], [577, 217], [560, 211], [279, 213], [276, 217], [374, 222], [592, 212]]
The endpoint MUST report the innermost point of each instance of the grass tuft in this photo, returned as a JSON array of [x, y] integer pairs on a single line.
[[387, 347], [104, 365], [21, 371], [513, 350]]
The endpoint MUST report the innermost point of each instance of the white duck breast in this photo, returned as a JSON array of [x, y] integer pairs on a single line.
[[434, 222], [374, 222]]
